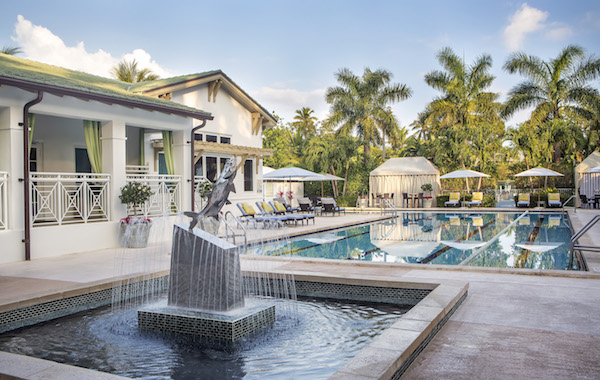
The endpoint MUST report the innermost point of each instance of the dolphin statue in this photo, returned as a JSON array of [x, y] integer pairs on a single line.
[[218, 196]]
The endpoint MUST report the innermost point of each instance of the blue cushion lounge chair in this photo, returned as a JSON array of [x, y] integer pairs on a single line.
[[250, 214], [268, 210], [454, 200], [554, 200], [524, 200], [329, 205], [287, 205], [281, 208]]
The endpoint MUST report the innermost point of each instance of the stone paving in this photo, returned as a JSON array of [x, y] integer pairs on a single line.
[[513, 324]]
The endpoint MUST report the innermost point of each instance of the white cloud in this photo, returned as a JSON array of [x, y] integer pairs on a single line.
[[523, 22], [40, 44], [559, 33], [286, 101]]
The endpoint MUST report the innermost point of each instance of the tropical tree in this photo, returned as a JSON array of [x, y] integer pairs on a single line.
[[278, 138], [557, 89], [128, 71], [463, 110], [11, 50], [360, 104], [305, 122]]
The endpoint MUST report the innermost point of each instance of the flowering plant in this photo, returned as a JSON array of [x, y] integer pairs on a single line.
[[135, 220], [134, 194], [290, 195], [281, 194]]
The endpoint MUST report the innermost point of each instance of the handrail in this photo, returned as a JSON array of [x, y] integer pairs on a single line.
[[585, 228], [387, 206], [574, 203], [228, 228]]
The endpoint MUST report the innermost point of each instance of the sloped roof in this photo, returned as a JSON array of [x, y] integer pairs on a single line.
[[590, 161], [406, 166], [162, 86], [34, 76]]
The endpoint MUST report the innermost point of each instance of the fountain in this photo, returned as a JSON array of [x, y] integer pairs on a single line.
[[206, 296]]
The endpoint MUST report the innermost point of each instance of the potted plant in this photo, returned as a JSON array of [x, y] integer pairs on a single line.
[[135, 230], [427, 189]]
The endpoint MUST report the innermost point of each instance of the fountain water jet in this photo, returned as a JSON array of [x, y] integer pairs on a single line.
[[205, 296]]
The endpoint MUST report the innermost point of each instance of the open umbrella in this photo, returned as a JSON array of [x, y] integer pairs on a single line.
[[291, 173], [593, 170], [540, 172], [465, 173]]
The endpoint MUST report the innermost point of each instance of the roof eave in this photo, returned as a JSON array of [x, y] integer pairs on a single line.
[[61, 91]]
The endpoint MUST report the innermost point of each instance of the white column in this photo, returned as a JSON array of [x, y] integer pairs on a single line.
[[11, 161], [183, 166], [114, 158]]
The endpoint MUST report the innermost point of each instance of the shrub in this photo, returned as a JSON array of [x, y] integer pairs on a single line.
[[427, 187], [134, 194], [348, 200]]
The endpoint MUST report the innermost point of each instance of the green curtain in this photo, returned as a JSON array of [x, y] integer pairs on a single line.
[[168, 151], [91, 131], [30, 122], [142, 148]]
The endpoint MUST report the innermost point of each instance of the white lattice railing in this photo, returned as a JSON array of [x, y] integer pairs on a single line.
[[199, 201], [166, 194], [3, 204], [66, 198]]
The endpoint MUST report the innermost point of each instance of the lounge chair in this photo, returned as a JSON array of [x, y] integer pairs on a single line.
[[269, 211], [281, 208], [305, 205], [249, 214], [476, 200], [524, 200], [585, 202], [288, 207], [554, 200], [329, 206], [454, 200]]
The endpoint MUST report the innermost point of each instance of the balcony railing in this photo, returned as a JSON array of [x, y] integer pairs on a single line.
[[199, 201], [166, 194], [66, 198], [3, 204]]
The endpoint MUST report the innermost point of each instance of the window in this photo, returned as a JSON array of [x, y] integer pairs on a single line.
[[248, 176], [197, 136], [225, 140], [211, 138], [198, 168], [82, 161], [162, 164], [222, 162], [33, 159], [211, 168]]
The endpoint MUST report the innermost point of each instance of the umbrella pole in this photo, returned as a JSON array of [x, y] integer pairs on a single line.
[[479, 185]]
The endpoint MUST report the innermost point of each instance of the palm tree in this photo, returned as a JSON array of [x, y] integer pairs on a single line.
[[11, 50], [305, 122], [127, 71], [464, 105], [557, 88], [361, 104]]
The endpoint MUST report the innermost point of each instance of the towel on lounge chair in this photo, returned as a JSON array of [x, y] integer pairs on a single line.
[[249, 213], [477, 199], [554, 200], [524, 200], [454, 200], [302, 217]]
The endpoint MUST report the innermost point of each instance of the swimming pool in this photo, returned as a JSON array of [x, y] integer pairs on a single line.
[[505, 240]]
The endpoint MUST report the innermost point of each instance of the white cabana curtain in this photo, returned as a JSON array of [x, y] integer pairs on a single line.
[[398, 184]]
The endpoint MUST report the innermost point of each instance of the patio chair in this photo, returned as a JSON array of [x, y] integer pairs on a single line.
[[269, 211], [405, 199], [281, 208], [329, 206], [454, 200], [305, 205], [476, 200], [585, 202], [554, 200], [523, 200]]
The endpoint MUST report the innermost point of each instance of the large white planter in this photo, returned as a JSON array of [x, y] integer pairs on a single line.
[[134, 235], [427, 202]]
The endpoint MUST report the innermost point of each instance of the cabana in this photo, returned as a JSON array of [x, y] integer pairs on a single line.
[[403, 175], [587, 183]]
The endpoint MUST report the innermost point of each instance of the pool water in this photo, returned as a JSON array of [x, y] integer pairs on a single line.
[[310, 340], [504, 240]]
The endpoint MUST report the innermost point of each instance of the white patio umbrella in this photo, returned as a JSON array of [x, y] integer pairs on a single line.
[[465, 173], [290, 174], [540, 172]]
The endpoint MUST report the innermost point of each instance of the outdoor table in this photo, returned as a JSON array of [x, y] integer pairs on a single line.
[[541, 203]]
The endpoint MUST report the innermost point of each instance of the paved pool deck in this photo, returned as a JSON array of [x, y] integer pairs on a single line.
[[514, 324]]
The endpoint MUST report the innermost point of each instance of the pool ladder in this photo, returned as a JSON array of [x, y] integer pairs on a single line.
[[231, 222], [388, 207], [579, 234]]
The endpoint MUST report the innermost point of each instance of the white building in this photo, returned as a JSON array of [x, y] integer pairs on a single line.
[[73, 197]]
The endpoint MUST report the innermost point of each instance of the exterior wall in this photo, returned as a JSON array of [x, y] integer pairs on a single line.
[[59, 129]]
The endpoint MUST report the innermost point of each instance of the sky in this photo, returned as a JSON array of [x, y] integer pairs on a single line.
[[285, 53]]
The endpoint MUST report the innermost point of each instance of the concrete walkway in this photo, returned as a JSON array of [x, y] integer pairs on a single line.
[[514, 324]]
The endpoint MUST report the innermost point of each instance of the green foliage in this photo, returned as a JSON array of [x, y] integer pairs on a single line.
[[427, 187], [134, 194], [11, 50], [205, 187], [346, 200], [128, 71]]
